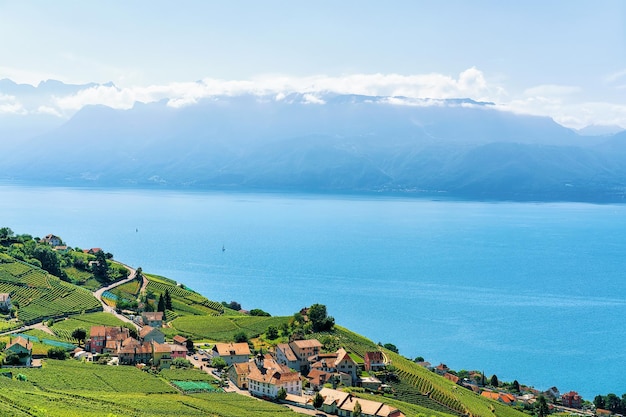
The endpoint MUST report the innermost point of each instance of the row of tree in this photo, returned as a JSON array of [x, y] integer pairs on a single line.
[[611, 402]]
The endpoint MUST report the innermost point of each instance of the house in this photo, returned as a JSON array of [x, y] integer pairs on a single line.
[[502, 397], [232, 352], [338, 363], [180, 340], [370, 383], [152, 319], [284, 355], [451, 377], [23, 348], [441, 369], [267, 377], [302, 350], [571, 400], [317, 378], [5, 301], [343, 403], [238, 374], [368, 408], [374, 361], [52, 240], [61, 249], [132, 352], [345, 364], [92, 251], [178, 351], [161, 355], [151, 334], [106, 339]]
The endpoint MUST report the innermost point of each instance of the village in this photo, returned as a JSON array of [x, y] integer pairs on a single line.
[[298, 373]]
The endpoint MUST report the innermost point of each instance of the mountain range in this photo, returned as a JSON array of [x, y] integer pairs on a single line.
[[326, 142]]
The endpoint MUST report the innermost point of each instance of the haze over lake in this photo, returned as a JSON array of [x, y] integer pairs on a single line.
[[532, 292]]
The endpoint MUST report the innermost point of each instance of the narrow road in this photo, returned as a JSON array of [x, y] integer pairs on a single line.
[[98, 293]]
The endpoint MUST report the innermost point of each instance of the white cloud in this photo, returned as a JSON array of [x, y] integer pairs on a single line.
[[10, 104], [563, 103], [616, 76]]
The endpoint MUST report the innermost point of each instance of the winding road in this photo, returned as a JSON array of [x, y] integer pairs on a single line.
[[131, 276]]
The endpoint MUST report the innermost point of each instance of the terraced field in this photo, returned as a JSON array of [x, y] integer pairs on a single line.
[[41, 295], [223, 328]]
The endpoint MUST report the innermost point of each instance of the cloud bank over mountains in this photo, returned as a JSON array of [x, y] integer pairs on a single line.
[[560, 102]]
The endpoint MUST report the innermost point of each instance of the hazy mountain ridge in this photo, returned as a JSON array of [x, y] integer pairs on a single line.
[[328, 142]]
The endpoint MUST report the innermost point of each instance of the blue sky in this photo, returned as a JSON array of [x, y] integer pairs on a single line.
[[563, 59]]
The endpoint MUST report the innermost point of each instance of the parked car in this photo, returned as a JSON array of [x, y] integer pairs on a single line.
[[195, 357], [205, 359]]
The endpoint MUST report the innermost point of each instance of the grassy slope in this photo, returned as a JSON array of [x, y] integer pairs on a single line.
[[196, 316]]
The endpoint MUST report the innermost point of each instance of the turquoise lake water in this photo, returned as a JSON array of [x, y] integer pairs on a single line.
[[533, 292]]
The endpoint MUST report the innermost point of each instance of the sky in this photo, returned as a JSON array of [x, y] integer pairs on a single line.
[[562, 59]]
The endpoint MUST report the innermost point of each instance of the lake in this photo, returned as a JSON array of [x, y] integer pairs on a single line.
[[528, 291]]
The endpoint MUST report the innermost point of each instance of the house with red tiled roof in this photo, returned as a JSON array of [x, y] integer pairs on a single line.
[[451, 377], [502, 397], [374, 361], [338, 363], [178, 351], [441, 369], [180, 340], [103, 338], [267, 377], [571, 400]]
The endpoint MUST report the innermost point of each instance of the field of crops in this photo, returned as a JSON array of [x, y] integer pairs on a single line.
[[184, 301], [223, 328], [41, 295], [187, 375], [72, 389]]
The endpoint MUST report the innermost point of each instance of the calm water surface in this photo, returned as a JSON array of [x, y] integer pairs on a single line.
[[533, 292]]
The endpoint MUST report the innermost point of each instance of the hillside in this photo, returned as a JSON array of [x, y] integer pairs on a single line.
[[345, 143], [67, 388]]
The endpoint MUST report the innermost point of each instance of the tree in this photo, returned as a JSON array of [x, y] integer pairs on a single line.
[[516, 387], [282, 393], [240, 337], [542, 406], [319, 319], [79, 334], [49, 260], [161, 304], [494, 381], [598, 401], [613, 403], [272, 332], [218, 362], [5, 233], [101, 268], [181, 363], [259, 312], [57, 353], [11, 358], [419, 359], [168, 300], [318, 400], [356, 411], [391, 347], [189, 345]]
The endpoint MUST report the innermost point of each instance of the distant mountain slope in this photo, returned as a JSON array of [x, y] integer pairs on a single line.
[[343, 143]]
